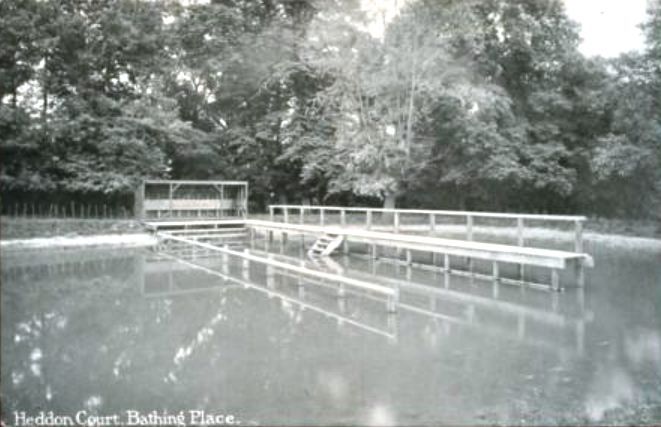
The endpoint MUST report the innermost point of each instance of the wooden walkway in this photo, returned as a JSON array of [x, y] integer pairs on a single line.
[[195, 231], [471, 249], [495, 253]]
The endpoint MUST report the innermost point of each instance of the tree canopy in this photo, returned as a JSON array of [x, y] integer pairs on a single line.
[[483, 104]]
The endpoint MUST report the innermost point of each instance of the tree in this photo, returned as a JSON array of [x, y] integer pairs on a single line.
[[105, 122], [377, 97], [627, 160]]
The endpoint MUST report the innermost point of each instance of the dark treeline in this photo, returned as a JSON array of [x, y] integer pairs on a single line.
[[461, 104]]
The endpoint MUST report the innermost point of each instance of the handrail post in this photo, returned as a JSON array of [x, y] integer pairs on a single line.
[[519, 231], [225, 257], [393, 301], [343, 221], [432, 222], [368, 219], [270, 279], [520, 242], [578, 238], [286, 212], [271, 213], [246, 265], [469, 227], [301, 213], [396, 222], [321, 216]]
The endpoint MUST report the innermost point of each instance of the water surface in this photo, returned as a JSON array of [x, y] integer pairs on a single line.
[[108, 331]]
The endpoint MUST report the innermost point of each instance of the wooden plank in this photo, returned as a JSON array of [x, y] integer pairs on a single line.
[[209, 230], [188, 204], [213, 235], [155, 225], [194, 182]]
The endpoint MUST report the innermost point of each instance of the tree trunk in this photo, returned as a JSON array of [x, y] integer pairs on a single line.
[[411, 106], [389, 201], [409, 117], [14, 97], [45, 88], [44, 106]]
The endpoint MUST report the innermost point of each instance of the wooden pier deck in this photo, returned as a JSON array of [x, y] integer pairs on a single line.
[[555, 260], [195, 231], [470, 249]]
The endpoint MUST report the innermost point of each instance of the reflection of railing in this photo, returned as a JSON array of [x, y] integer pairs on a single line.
[[272, 292], [163, 278], [475, 304], [391, 293], [431, 216]]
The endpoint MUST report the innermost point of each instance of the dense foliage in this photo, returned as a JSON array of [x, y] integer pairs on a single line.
[[484, 104]]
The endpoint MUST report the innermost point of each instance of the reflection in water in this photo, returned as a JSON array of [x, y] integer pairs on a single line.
[[644, 347], [269, 290], [611, 389], [380, 415], [462, 308], [110, 331]]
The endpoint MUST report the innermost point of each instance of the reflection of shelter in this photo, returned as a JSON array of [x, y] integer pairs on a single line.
[[164, 278], [156, 199]]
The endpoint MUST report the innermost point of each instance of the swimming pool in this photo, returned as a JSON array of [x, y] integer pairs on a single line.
[[106, 332]]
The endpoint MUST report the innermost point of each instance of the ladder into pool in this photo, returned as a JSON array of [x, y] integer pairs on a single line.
[[325, 245]]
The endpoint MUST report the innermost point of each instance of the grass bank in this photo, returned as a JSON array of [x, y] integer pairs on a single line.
[[27, 228]]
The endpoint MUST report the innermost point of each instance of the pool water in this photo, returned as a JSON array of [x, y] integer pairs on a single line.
[[111, 331]]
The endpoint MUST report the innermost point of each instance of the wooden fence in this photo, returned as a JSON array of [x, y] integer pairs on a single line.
[[74, 210]]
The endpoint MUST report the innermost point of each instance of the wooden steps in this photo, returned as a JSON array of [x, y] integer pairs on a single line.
[[326, 264], [224, 233], [325, 245]]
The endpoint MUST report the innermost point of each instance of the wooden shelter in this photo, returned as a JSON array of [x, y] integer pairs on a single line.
[[172, 199]]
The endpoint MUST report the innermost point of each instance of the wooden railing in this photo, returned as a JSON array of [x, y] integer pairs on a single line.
[[271, 262], [469, 218]]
